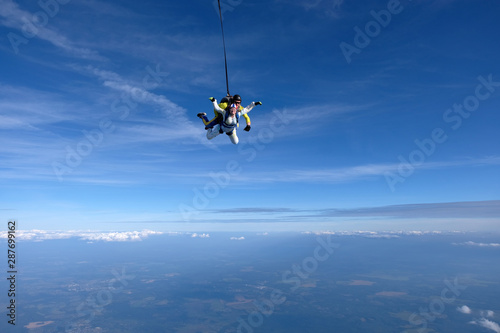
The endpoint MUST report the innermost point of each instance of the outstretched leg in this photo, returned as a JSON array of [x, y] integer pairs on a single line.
[[233, 137], [203, 116], [214, 121], [213, 132]]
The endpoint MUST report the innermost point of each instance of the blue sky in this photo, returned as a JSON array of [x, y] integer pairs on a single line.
[[376, 115]]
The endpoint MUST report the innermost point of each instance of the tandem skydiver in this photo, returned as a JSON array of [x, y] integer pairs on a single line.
[[227, 118], [225, 103]]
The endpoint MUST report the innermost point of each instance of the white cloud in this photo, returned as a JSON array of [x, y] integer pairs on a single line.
[[194, 235], [471, 243], [374, 234], [382, 236], [41, 235], [119, 236], [237, 238], [491, 325], [487, 313], [464, 309]]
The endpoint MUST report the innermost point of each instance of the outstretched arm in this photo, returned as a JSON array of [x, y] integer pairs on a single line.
[[250, 107], [216, 106]]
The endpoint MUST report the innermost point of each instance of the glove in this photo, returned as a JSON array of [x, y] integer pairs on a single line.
[[212, 99], [258, 103], [247, 128]]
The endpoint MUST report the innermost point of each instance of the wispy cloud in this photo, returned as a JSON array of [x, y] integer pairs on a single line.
[[491, 325], [147, 128], [467, 209], [471, 243], [28, 109], [376, 234], [356, 173], [33, 123], [41, 126], [14, 17], [136, 132], [306, 119], [138, 92], [246, 210], [483, 209]]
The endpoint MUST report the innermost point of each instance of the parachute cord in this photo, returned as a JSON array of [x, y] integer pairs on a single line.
[[224, 45]]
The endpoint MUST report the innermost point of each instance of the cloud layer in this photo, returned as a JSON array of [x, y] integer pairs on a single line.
[[91, 236], [471, 243]]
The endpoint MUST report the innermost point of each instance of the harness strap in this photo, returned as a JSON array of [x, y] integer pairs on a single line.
[[223, 123]]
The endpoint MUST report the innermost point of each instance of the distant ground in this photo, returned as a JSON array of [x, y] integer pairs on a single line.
[[259, 283]]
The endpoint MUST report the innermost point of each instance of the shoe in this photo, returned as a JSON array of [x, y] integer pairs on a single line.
[[201, 114]]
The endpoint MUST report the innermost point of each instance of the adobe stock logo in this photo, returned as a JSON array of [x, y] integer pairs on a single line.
[[437, 306], [225, 6], [121, 108], [32, 25], [455, 117], [372, 29], [296, 276], [219, 180]]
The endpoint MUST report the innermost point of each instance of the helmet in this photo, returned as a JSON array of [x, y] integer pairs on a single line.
[[236, 98]]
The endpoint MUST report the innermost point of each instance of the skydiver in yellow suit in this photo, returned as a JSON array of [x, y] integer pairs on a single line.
[[225, 102]]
